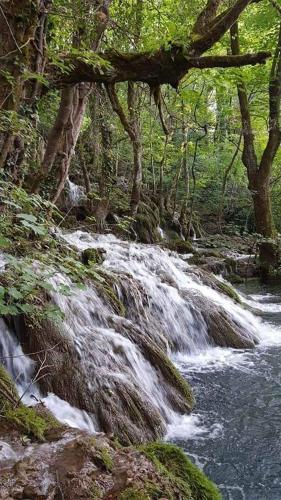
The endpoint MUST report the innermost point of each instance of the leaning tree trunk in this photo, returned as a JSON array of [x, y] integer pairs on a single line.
[[71, 133], [74, 99]]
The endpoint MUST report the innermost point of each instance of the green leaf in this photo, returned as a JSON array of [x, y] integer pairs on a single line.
[[47, 286], [27, 217], [4, 242], [13, 292], [26, 308]]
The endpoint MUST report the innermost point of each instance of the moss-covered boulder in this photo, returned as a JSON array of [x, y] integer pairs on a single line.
[[184, 476], [76, 465], [146, 223], [228, 290], [180, 246], [92, 256], [27, 420]]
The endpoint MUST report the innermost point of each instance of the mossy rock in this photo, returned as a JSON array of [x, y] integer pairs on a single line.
[[229, 291], [146, 223], [133, 493], [180, 246], [183, 474], [211, 253], [107, 288], [25, 419], [92, 256], [231, 264], [197, 260], [8, 393], [235, 279]]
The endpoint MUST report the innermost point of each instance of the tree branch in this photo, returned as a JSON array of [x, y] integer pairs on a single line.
[[219, 27], [206, 16], [154, 68], [117, 107], [228, 61]]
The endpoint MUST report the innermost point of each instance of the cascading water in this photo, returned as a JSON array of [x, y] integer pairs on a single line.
[[76, 193], [22, 369], [177, 298], [170, 307]]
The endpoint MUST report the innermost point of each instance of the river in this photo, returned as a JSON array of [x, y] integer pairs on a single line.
[[234, 433]]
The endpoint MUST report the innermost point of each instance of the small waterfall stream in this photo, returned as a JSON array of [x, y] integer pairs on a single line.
[[169, 308]]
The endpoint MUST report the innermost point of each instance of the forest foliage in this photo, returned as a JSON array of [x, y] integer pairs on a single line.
[[64, 114]]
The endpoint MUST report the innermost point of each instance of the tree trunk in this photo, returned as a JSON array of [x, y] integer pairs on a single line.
[[161, 195], [22, 48], [259, 173], [262, 209], [137, 177], [71, 133]]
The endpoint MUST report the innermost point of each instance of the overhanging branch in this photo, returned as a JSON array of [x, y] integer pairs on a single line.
[[228, 61], [165, 66]]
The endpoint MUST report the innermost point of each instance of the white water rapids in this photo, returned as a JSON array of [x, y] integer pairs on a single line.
[[166, 300]]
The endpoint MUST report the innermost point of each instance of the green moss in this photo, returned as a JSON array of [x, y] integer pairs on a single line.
[[177, 380], [229, 291], [24, 418], [133, 493], [106, 459], [100, 454], [230, 263], [146, 223], [8, 393], [180, 246], [92, 256], [27, 420], [155, 491], [106, 288], [173, 463], [96, 493], [235, 279], [197, 260]]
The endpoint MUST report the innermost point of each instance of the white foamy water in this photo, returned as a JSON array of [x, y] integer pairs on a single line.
[[192, 427], [76, 193], [22, 370], [166, 303]]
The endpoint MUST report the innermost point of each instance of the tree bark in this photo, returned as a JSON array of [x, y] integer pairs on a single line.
[[259, 173], [22, 49], [74, 100]]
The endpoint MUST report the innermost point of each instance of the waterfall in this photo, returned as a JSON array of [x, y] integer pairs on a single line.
[[118, 374], [22, 370], [76, 193], [177, 299]]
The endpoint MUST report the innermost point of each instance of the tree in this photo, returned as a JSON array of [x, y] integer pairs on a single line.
[[259, 171], [168, 64]]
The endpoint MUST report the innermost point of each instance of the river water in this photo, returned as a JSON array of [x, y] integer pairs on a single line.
[[235, 430]]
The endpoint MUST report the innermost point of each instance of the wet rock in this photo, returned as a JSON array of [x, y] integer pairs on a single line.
[[180, 246], [146, 223], [116, 402], [80, 466], [225, 333], [92, 256]]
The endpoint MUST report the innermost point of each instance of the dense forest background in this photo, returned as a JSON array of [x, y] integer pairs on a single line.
[[200, 144]]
